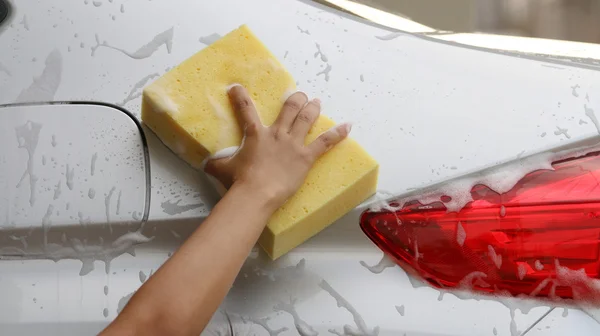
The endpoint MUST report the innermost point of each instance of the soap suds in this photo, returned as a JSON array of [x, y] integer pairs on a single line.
[[538, 265], [390, 36], [88, 253], [361, 328], [22, 239], [303, 328], [589, 112], [303, 31], [173, 208], [223, 126], [385, 262], [320, 53], [28, 136], [144, 51], [400, 310], [223, 153], [123, 302], [161, 99], [47, 223], [136, 90], [107, 207], [209, 39], [325, 72], [461, 234], [263, 322], [574, 90], [496, 258], [24, 22], [563, 131], [70, 174], [521, 271], [118, 210], [93, 164], [499, 178], [45, 86], [57, 191]]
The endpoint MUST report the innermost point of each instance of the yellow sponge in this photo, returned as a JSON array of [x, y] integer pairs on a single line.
[[189, 111]]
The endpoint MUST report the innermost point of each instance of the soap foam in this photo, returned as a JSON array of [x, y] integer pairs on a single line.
[[224, 153], [162, 100], [500, 178]]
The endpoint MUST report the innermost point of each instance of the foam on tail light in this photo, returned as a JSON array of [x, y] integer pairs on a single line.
[[541, 238]]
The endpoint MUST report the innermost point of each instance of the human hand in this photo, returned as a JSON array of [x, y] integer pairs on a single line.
[[273, 161]]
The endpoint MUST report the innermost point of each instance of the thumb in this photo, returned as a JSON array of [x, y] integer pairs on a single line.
[[221, 170]]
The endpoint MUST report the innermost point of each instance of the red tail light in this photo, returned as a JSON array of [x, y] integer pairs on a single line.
[[541, 238]]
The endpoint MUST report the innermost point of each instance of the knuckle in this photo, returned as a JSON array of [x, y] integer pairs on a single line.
[[242, 103], [279, 134], [326, 140], [296, 101], [293, 104], [305, 117], [251, 128]]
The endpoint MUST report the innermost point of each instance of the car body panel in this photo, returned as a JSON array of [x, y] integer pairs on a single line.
[[426, 110]]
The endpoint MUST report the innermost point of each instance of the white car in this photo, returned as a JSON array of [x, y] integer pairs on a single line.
[[93, 203]]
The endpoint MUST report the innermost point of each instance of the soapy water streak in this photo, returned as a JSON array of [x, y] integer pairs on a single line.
[[361, 328], [385, 262], [209, 39], [136, 90], [107, 199], [303, 328], [144, 51], [263, 322], [586, 292], [45, 86], [589, 112], [28, 136]]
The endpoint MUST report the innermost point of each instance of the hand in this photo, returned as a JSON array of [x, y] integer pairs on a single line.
[[273, 161]]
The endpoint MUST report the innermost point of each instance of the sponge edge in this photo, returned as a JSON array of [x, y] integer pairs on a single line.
[[188, 109]]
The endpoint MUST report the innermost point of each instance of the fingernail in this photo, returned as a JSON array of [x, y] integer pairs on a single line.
[[348, 127], [231, 86], [317, 101], [287, 94]]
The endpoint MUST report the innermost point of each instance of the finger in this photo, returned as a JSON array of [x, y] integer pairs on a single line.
[[243, 106], [290, 110], [306, 118], [329, 139]]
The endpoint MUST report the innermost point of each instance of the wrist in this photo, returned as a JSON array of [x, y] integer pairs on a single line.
[[259, 197]]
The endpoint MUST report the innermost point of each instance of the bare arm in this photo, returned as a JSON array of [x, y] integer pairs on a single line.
[[271, 165]]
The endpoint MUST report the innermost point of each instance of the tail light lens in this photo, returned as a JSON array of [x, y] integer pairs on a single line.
[[541, 238]]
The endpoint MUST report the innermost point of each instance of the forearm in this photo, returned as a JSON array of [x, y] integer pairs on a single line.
[[183, 295]]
